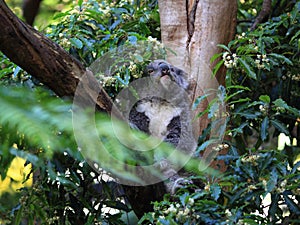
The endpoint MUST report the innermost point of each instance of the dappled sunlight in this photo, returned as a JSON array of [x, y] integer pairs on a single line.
[[16, 177]]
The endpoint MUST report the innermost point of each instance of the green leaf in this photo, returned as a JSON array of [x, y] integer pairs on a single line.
[[215, 191], [281, 57], [274, 205], [213, 109], [76, 43], [25, 155], [234, 94], [18, 217], [198, 101], [272, 182], [138, 57], [184, 198], [79, 2], [293, 207], [281, 103], [241, 127], [249, 115], [265, 98], [207, 143], [217, 67], [247, 68], [296, 167], [264, 129], [215, 56], [295, 37], [240, 100], [238, 87], [224, 47], [5, 71], [61, 14], [282, 128], [117, 205]]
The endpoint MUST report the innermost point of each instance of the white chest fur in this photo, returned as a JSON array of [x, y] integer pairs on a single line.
[[160, 114]]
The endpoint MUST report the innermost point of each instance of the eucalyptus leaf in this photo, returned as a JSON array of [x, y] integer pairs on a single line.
[[247, 69], [278, 125], [265, 98], [76, 43], [282, 58], [264, 129]]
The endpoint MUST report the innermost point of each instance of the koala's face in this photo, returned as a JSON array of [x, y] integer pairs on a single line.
[[158, 68], [161, 69]]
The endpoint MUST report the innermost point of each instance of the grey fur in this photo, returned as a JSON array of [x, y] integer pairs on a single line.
[[166, 117]]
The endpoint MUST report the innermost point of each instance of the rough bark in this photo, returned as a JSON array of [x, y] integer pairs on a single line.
[[193, 29], [263, 14], [45, 60]]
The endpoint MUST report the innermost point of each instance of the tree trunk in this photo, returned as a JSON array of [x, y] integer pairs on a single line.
[[193, 29]]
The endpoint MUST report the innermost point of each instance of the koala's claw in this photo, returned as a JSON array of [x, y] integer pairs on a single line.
[[179, 183]]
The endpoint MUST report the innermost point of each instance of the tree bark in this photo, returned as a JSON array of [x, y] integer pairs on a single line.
[[263, 14], [193, 29], [46, 60]]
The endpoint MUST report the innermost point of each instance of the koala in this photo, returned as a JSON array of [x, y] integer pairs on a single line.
[[166, 115], [161, 68]]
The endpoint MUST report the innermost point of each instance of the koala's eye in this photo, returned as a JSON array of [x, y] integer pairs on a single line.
[[150, 70]]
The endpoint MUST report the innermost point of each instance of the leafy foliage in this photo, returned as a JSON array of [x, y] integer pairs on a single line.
[[92, 28], [240, 196], [261, 94]]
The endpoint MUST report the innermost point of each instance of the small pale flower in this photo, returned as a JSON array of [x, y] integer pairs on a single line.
[[251, 187], [228, 213], [172, 209], [186, 211], [264, 183], [261, 61], [191, 201], [230, 60], [161, 217]]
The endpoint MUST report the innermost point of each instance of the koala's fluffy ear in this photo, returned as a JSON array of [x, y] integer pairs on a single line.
[[179, 76]]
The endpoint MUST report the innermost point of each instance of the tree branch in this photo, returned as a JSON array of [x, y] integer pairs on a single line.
[[263, 14], [45, 60]]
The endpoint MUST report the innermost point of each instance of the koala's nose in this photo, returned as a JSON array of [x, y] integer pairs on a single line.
[[165, 70]]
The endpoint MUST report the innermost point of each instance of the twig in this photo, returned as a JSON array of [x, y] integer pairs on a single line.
[[265, 11]]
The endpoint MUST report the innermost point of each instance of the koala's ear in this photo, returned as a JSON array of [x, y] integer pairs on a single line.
[[179, 76]]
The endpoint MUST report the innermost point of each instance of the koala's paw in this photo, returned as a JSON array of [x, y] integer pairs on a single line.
[[180, 183]]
